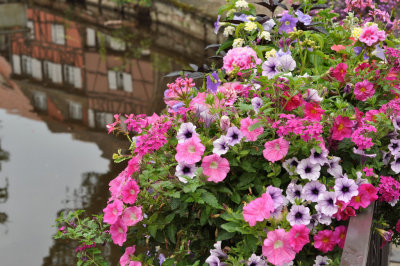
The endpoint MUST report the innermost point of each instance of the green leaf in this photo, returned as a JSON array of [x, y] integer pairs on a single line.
[[224, 235], [210, 199], [171, 232], [255, 126], [231, 227], [276, 181], [245, 107], [248, 167], [236, 198], [153, 230]]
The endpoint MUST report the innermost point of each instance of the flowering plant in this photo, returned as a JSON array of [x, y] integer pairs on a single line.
[[267, 160]]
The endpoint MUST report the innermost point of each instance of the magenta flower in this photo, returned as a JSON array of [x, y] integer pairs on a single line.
[[125, 259], [340, 235], [277, 247], [118, 232], [132, 215], [215, 167], [251, 135], [364, 90], [276, 150], [113, 211], [339, 72], [130, 191], [190, 151], [258, 210], [324, 241], [371, 35], [299, 237], [342, 128]]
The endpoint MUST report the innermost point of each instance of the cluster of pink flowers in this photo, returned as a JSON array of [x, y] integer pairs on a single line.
[[326, 240], [125, 260], [251, 135], [304, 127], [177, 91], [118, 213], [364, 90], [242, 58], [360, 137], [281, 247], [389, 190]]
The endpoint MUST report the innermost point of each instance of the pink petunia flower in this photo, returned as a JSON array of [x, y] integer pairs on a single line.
[[371, 35], [215, 167], [277, 247], [245, 124], [113, 211], [190, 151], [132, 215], [313, 111], [130, 192], [118, 232], [125, 259], [342, 128], [364, 90], [324, 241], [361, 200], [340, 235], [299, 237], [258, 210], [339, 72], [276, 150]]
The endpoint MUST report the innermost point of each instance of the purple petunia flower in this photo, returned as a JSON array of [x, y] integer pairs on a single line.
[[286, 63], [394, 146], [221, 145], [281, 53], [177, 106], [269, 25], [255, 260], [386, 157], [290, 165], [395, 165], [327, 203], [308, 170], [213, 85], [208, 118], [396, 122], [288, 23], [257, 103], [334, 167], [319, 158], [276, 195], [234, 136], [322, 218], [294, 192], [299, 214], [270, 67], [218, 252], [360, 180], [199, 109], [186, 132], [321, 261], [304, 18], [312, 190], [345, 189], [185, 170], [241, 17], [214, 261], [217, 25], [161, 258]]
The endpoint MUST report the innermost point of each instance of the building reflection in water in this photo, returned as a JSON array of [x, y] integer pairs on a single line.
[[77, 73], [4, 156]]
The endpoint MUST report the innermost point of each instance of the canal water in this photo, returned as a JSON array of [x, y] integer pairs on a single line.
[[60, 84]]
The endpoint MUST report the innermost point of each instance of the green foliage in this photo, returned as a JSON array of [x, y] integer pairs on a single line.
[[89, 233]]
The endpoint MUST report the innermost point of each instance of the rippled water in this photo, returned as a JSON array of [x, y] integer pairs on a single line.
[[70, 74]]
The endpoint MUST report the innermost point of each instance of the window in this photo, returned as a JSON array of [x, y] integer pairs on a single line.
[[73, 76], [90, 37], [26, 65], [30, 24], [75, 110], [52, 72], [115, 43], [102, 119], [16, 60], [36, 69], [118, 80], [40, 100], [58, 34]]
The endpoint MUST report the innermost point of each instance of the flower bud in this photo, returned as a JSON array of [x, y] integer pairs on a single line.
[[224, 123]]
